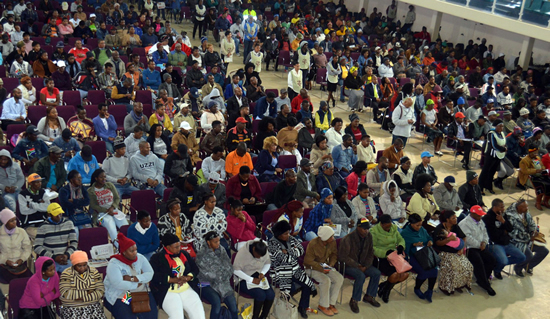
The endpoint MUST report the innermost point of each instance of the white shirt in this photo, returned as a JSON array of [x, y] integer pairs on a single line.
[[400, 117], [334, 138], [385, 71]]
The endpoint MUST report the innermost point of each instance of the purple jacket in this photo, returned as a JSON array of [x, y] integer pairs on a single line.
[[31, 298]]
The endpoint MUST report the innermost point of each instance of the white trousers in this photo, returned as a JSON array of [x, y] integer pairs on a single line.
[[175, 304]]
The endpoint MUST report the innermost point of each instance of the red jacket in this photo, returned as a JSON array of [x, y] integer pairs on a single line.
[[353, 184], [233, 188], [297, 104], [546, 160]]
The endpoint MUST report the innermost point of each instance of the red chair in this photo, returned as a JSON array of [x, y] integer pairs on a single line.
[[474, 92], [287, 161], [65, 112], [328, 55], [40, 40], [355, 56], [67, 48], [144, 96], [166, 194], [404, 81], [321, 78], [124, 59], [49, 49], [91, 111], [267, 219], [267, 187], [119, 112], [99, 150], [92, 43], [72, 98], [276, 91], [72, 41], [16, 290], [96, 96], [35, 113], [285, 59], [90, 237], [379, 154], [10, 84], [139, 51], [143, 200], [8, 148]]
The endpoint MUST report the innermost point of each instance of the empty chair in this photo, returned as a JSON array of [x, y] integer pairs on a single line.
[[15, 129], [139, 51], [10, 84], [38, 84], [3, 71], [144, 97], [92, 43], [267, 187], [65, 112], [287, 161], [119, 112], [15, 292], [99, 150], [148, 109], [90, 237], [35, 113], [40, 40], [143, 200], [91, 111], [96, 96], [71, 98]]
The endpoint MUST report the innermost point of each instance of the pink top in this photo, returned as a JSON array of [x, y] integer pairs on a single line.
[[31, 297], [240, 231]]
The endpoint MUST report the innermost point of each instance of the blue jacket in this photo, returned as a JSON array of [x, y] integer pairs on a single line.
[[330, 182], [228, 92], [24, 146], [151, 79], [263, 164], [147, 243], [343, 158], [158, 59], [71, 145], [100, 130], [147, 39], [70, 207], [262, 106], [78, 163], [222, 24]]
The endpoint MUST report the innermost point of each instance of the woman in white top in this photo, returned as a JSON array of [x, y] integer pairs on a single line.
[[256, 57], [295, 81], [335, 133], [333, 72], [227, 48], [50, 126], [28, 91], [429, 120], [198, 22]]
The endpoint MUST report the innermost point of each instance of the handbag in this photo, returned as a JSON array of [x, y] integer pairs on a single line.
[[140, 302], [398, 262], [283, 309], [427, 258], [79, 219]]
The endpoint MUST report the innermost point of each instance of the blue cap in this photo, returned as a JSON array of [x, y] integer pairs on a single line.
[[194, 92], [426, 154], [491, 100], [460, 100], [450, 180]]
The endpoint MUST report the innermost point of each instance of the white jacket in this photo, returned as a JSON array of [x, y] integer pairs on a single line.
[[400, 117], [334, 138]]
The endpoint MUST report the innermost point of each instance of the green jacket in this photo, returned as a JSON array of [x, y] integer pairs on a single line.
[[384, 241], [42, 168], [174, 58]]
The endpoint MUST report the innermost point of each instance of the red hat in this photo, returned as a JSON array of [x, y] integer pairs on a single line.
[[477, 210], [459, 115], [240, 120], [124, 242]]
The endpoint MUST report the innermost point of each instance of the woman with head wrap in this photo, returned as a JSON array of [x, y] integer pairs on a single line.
[[175, 276], [429, 120], [320, 214], [216, 269], [15, 248], [128, 272], [355, 129], [293, 213], [391, 203], [353, 84], [28, 91], [211, 112], [81, 289], [285, 270]]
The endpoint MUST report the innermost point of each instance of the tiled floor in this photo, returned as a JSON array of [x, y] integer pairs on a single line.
[[516, 297]]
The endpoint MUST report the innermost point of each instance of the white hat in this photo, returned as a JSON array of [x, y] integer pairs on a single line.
[[184, 125], [426, 47], [61, 64], [325, 232], [65, 6], [523, 111], [184, 105], [92, 15], [397, 45], [377, 48], [492, 113], [501, 54]]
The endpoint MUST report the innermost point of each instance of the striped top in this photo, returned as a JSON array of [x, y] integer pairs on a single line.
[[87, 287]]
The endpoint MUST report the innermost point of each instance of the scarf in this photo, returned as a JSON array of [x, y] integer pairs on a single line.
[[172, 263], [135, 116], [124, 260], [9, 231], [76, 192], [140, 229], [160, 120]]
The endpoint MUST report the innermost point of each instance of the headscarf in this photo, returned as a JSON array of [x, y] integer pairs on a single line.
[[386, 188], [123, 244], [5, 216], [168, 240], [323, 210], [210, 98], [287, 209]]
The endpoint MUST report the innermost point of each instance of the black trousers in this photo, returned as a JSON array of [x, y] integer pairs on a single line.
[[466, 147], [199, 25], [272, 56], [484, 262], [490, 167]]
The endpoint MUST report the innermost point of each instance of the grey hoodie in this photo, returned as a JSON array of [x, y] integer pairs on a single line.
[[12, 175], [144, 167]]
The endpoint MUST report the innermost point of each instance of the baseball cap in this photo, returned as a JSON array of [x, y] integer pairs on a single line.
[[476, 209], [55, 149], [492, 113], [92, 15], [184, 105], [60, 44], [55, 209], [426, 47], [185, 125], [490, 101], [363, 223], [459, 115], [31, 129], [240, 120], [450, 180], [507, 113], [33, 178], [426, 154], [305, 162], [194, 92], [193, 180], [523, 111], [377, 48], [61, 64]]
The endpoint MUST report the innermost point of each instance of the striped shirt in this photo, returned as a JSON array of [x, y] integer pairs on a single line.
[[87, 287]]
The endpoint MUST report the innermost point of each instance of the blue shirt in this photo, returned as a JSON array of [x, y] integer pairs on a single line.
[[250, 30], [147, 39], [343, 158], [151, 78], [53, 179], [13, 110], [71, 145]]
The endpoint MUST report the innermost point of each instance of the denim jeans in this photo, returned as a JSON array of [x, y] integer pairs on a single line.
[[121, 310], [360, 277], [59, 268], [83, 94], [215, 301], [501, 254], [403, 138], [110, 147], [258, 293], [540, 252], [11, 200], [112, 224], [163, 11], [159, 189], [237, 43], [310, 236], [342, 97], [125, 189]]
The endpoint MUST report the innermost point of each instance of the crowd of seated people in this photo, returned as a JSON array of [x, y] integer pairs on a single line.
[[219, 150]]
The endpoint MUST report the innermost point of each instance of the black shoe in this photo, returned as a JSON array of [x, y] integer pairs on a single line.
[[387, 290], [498, 183], [333, 103], [303, 312], [530, 271], [491, 191], [518, 185], [353, 306], [498, 275], [381, 289], [519, 272], [465, 166], [491, 292]]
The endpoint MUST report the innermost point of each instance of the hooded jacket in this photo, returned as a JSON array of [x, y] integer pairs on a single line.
[[53, 239], [36, 286], [215, 268], [319, 213], [144, 167], [395, 209], [11, 175], [14, 247], [86, 169]]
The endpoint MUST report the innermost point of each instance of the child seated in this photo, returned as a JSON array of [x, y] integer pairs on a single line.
[[457, 244]]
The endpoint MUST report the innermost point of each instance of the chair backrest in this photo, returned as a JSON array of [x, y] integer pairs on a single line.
[[144, 96], [379, 154], [3, 73], [91, 43], [40, 40], [301, 258], [99, 150], [38, 84], [10, 83], [14, 129], [119, 112], [321, 76], [355, 56], [96, 96], [166, 194], [148, 109], [90, 237], [72, 98], [65, 112], [268, 218], [143, 199], [91, 111], [49, 49], [276, 91], [124, 230], [328, 55], [35, 113], [267, 187], [73, 40], [287, 161], [284, 57], [16, 290]]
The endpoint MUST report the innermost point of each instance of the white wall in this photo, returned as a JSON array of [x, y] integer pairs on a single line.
[[456, 30]]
